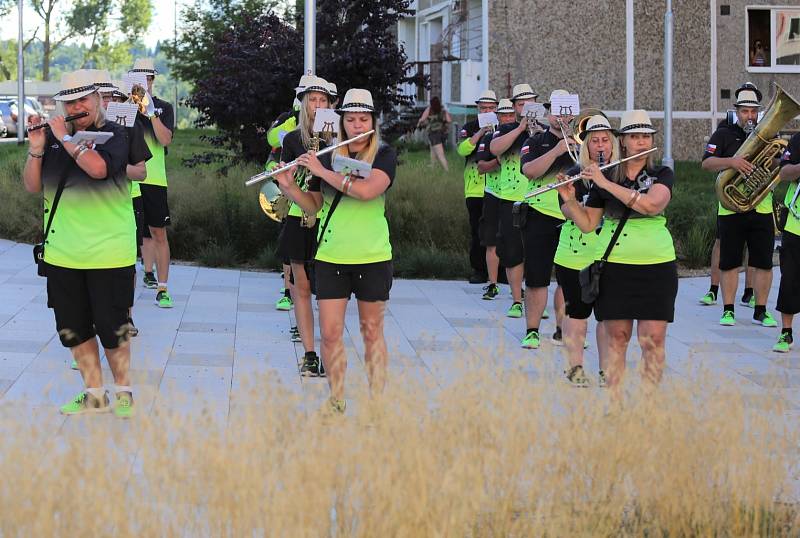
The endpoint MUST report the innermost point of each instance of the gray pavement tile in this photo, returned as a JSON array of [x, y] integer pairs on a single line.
[[408, 301], [473, 322], [255, 307], [786, 380], [22, 346], [215, 288], [716, 347], [195, 327], [746, 333], [197, 359], [4, 385], [786, 361]]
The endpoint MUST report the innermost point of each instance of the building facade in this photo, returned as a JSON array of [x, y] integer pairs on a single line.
[[612, 54]]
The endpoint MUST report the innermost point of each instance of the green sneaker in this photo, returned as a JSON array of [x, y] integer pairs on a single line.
[[515, 311], [333, 408], [765, 320], [74, 364], [86, 403], [531, 340], [785, 342], [163, 300], [149, 280], [708, 299], [294, 335], [748, 302], [124, 407], [576, 377], [312, 366], [545, 314], [558, 337], [490, 292], [601, 379], [728, 319], [284, 304]]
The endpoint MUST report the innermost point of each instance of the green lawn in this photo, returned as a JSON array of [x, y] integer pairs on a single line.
[[217, 220]]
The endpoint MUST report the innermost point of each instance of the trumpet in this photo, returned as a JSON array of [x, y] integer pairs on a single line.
[[142, 99], [576, 177], [533, 125], [266, 175], [45, 125]]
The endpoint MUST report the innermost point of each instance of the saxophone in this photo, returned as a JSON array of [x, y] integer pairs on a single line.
[[741, 193]]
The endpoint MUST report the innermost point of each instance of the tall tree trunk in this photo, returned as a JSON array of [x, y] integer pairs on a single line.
[[47, 50]]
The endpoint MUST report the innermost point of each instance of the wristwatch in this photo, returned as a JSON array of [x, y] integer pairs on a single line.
[[66, 138]]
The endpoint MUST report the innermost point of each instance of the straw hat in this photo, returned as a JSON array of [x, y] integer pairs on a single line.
[[117, 91], [523, 91], [487, 96], [103, 81], [635, 121], [748, 86], [332, 91], [357, 100], [314, 84], [597, 122], [747, 98], [505, 107], [75, 85], [144, 65], [304, 81], [554, 93]]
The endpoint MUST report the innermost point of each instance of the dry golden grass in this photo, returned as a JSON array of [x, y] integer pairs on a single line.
[[489, 455]]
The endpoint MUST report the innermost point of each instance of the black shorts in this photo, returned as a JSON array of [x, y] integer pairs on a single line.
[[89, 303], [138, 214], [637, 292], [571, 287], [369, 282], [756, 230], [436, 137], [540, 238], [297, 243], [509, 239], [789, 290], [156, 209], [490, 219]]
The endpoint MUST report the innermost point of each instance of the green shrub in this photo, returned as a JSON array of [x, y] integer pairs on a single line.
[[216, 255]]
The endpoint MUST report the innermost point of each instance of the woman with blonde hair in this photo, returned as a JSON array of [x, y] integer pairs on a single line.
[[298, 235], [639, 280], [577, 250], [354, 254]]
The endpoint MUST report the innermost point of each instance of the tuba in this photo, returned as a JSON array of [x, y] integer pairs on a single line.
[[741, 193]]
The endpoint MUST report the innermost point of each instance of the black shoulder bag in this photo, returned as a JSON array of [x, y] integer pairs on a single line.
[[310, 274], [38, 249], [589, 277]]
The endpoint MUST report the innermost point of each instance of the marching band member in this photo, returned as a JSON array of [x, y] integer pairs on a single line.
[[298, 236], [753, 228], [544, 156], [748, 298], [354, 254], [506, 144], [159, 126], [489, 165], [90, 239], [789, 290], [474, 184], [640, 280], [577, 250]]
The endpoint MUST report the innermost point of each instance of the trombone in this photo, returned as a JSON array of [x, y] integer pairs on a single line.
[[266, 175], [576, 177], [575, 129]]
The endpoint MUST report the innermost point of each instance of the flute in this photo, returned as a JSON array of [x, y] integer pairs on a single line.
[[68, 118], [266, 175], [576, 177]]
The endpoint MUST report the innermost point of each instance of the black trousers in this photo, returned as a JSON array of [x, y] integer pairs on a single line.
[[477, 253]]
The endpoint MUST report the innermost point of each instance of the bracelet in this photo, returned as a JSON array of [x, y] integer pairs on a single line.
[[36, 155], [344, 182], [83, 150], [634, 198], [77, 151], [347, 189]]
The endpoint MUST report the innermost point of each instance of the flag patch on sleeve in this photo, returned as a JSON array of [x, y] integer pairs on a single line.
[[711, 148], [525, 150]]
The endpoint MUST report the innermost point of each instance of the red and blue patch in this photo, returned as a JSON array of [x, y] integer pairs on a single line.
[[463, 133], [524, 150], [481, 147], [786, 155], [711, 148]]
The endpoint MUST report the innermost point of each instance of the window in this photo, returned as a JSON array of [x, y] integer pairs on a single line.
[[773, 39]]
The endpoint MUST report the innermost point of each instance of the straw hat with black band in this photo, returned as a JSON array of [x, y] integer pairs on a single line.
[[487, 96], [748, 98], [523, 91], [635, 121], [144, 65], [594, 124], [505, 107], [357, 100]]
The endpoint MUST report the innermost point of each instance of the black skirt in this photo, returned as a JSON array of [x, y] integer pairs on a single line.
[[296, 243], [637, 292]]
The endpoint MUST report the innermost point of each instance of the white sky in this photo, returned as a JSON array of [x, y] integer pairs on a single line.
[[161, 27]]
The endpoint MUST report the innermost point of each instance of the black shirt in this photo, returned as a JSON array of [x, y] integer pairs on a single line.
[[538, 145], [468, 131], [518, 143], [292, 148], [600, 198], [385, 160], [725, 141], [791, 154], [482, 152]]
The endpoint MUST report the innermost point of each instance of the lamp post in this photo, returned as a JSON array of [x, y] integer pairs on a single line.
[[667, 160], [310, 44], [20, 82]]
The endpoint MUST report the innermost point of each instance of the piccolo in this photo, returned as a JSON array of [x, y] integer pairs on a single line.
[[576, 177], [68, 118], [266, 175]]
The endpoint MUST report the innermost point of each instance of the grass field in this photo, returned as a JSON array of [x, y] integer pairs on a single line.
[[217, 220]]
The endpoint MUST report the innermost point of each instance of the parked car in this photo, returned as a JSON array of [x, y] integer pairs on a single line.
[[9, 125], [10, 111]]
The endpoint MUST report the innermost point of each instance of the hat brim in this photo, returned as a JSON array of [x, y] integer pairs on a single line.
[[524, 95], [109, 88], [751, 104], [598, 129], [72, 95], [635, 130], [359, 108], [153, 72], [487, 100], [309, 89], [504, 111]]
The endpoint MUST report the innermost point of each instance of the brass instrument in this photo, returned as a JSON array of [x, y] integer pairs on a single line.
[[142, 99], [580, 121], [273, 202], [739, 192]]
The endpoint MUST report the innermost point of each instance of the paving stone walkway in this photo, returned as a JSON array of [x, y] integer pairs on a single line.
[[224, 329]]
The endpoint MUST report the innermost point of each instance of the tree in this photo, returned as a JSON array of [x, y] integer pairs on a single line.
[[89, 18], [245, 60]]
